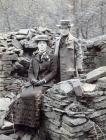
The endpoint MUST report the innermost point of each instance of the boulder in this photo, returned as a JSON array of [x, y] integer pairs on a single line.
[[67, 88], [23, 31], [102, 83], [20, 36], [96, 74], [4, 103], [4, 43], [89, 87], [6, 125]]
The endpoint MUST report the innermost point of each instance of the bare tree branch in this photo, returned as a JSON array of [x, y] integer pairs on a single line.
[[6, 15]]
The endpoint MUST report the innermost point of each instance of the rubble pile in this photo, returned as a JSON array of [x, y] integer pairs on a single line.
[[8, 56], [68, 116]]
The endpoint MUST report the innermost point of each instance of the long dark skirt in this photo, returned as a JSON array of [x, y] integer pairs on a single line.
[[26, 111]]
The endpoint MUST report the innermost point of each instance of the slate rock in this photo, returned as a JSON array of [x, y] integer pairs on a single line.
[[23, 31], [99, 99], [4, 137], [4, 43], [19, 37], [7, 57], [88, 87], [77, 87], [16, 44], [52, 115], [101, 118], [4, 103], [100, 105], [55, 103], [67, 134], [56, 97], [53, 135], [7, 125], [74, 121], [56, 123], [98, 113], [93, 94], [1, 65], [102, 83], [75, 107], [81, 128], [26, 137], [1, 88], [62, 88], [96, 74]]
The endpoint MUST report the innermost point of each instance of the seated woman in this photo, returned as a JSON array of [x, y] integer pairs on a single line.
[[42, 71]]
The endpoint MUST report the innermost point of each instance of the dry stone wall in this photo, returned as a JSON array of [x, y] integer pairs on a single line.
[[9, 54], [68, 117]]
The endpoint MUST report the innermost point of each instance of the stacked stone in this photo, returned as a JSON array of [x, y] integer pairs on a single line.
[[95, 95], [66, 118], [8, 56], [89, 56], [21, 34], [94, 54], [95, 100], [54, 105], [6, 68], [99, 104]]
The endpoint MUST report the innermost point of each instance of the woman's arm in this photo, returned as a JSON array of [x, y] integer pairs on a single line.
[[53, 69], [30, 71]]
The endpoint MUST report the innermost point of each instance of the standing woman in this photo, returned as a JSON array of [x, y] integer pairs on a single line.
[[42, 71]]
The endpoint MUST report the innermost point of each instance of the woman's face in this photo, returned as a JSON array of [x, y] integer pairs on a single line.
[[42, 46]]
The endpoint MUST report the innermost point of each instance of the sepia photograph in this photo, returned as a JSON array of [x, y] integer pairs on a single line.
[[52, 69]]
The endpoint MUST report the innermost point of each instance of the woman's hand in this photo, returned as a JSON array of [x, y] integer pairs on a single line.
[[34, 82], [38, 82], [41, 82]]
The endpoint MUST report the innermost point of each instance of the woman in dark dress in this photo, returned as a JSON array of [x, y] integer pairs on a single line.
[[42, 71]]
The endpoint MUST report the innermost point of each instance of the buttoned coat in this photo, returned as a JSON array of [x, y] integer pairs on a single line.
[[38, 70], [46, 69], [70, 56]]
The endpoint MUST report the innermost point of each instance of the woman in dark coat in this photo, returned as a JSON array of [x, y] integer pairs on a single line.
[[42, 71]]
